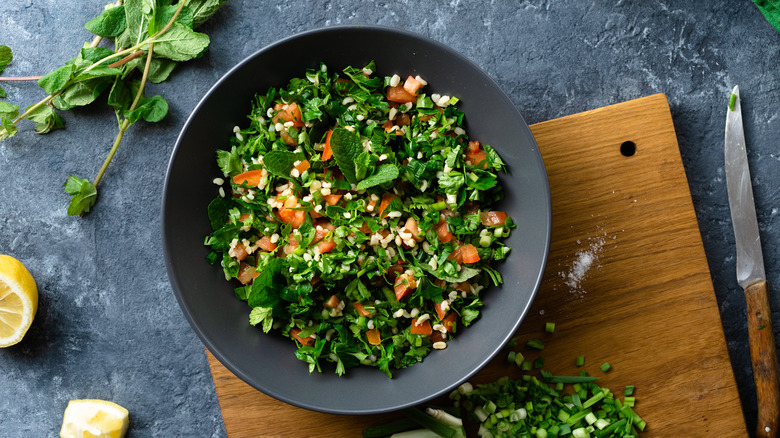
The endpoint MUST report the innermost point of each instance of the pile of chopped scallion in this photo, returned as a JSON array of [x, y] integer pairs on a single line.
[[543, 406]]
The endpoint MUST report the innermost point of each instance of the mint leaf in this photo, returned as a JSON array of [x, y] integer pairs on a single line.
[[160, 69], [164, 15], [84, 195], [180, 43], [5, 57], [97, 72], [464, 274], [95, 54], [385, 173], [151, 109], [9, 129], [280, 163], [54, 81], [262, 315], [451, 182], [46, 119], [266, 288], [202, 10], [80, 93], [137, 24], [218, 212], [346, 146], [110, 23], [8, 111]]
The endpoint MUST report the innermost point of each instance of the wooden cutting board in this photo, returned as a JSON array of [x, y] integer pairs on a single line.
[[627, 282]]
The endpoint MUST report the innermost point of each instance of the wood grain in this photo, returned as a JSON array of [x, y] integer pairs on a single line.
[[763, 355], [627, 282]]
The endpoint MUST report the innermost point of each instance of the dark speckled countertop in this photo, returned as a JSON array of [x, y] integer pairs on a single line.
[[108, 325]]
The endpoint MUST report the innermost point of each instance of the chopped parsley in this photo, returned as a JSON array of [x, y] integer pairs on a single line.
[[357, 219]]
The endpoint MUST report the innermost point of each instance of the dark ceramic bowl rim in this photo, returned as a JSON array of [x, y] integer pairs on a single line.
[[215, 347]]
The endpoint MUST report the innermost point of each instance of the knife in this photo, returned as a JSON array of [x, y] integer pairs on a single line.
[[750, 273]]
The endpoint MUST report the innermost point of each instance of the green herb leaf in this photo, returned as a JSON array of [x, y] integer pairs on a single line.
[[9, 129], [202, 10], [54, 81], [160, 69], [151, 109], [95, 54], [180, 43], [6, 56], [97, 72], [229, 161], [137, 24], [218, 212], [8, 111], [83, 195], [346, 146], [385, 173], [280, 163], [110, 23], [464, 274], [46, 119], [80, 93], [262, 315], [164, 15]]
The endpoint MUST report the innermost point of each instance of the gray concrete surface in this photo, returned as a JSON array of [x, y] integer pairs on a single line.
[[109, 326]]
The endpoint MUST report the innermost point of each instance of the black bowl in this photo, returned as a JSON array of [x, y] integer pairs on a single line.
[[267, 361]]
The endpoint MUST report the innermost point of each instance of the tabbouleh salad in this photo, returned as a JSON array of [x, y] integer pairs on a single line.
[[357, 217]]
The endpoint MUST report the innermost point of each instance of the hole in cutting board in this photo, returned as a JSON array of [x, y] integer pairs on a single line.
[[628, 148]]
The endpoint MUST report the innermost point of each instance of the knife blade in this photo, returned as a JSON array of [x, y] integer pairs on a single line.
[[750, 272]]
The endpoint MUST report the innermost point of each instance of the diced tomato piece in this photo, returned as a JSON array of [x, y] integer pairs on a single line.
[[240, 252], [314, 280], [443, 232], [492, 218], [424, 328], [291, 246], [361, 310], [439, 309], [246, 273], [404, 285], [265, 244], [332, 199], [302, 166], [388, 126], [476, 158], [437, 336], [250, 177], [326, 246], [373, 336], [399, 94], [327, 152], [411, 226], [244, 217], [333, 302], [450, 322], [465, 254], [298, 219], [412, 85], [473, 146], [403, 119], [387, 198], [463, 286], [290, 114], [315, 215], [305, 341], [393, 271], [288, 139]]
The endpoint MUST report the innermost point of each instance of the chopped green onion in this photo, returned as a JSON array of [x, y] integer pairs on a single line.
[[535, 343], [629, 401], [605, 367], [732, 101], [549, 327], [580, 361], [539, 362], [629, 390]]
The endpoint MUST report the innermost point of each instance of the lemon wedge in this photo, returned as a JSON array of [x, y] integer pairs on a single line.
[[18, 300], [94, 419]]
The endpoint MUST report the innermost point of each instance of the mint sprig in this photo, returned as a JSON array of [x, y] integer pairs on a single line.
[[150, 38]]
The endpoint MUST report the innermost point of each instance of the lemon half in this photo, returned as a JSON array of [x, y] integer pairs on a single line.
[[18, 300], [94, 418]]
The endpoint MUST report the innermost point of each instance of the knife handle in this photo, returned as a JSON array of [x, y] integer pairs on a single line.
[[763, 354]]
